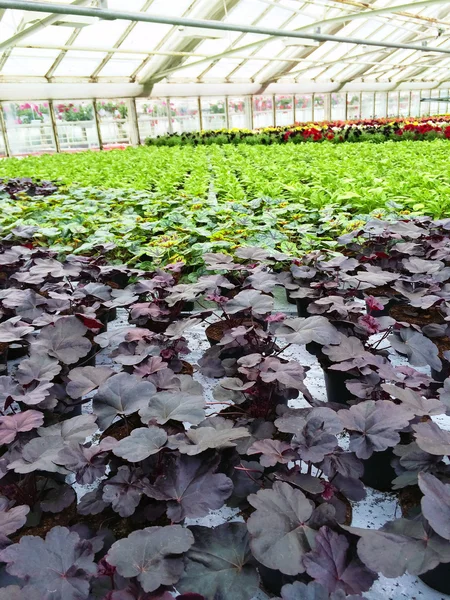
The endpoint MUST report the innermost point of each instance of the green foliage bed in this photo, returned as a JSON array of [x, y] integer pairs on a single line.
[[162, 204]]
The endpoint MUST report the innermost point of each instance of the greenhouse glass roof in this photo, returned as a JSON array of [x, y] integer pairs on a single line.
[[138, 57]]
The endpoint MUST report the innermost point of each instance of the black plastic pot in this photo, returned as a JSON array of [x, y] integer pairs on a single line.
[[3, 359], [441, 375], [337, 391], [302, 306], [273, 580], [289, 299], [314, 348], [378, 472], [16, 351], [438, 578]]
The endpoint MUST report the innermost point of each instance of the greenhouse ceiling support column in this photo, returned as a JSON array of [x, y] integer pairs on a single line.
[[135, 136], [274, 110], [4, 132], [252, 116], [97, 125], [409, 104], [54, 128], [200, 116], [227, 113], [327, 100], [169, 116], [294, 100]]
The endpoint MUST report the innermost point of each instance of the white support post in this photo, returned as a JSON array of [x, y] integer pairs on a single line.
[[54, 128], [227, 113], [294, 100], [200, 116], [252, 117], [97, 125], [169, 116], [327, 98], [135, 136], [274, 108]]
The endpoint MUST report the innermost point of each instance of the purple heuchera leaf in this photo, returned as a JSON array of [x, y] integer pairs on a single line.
[[185, 404], [141, 443], [432, 439], [57, 497], [313, 591], [11, 425], [312, 329], [13, 330], [88, 463], [191, 487], [121, 394], [38, 367], [272, 452], [219, 564], [12, 518], [374, 426], [61, 563], [213, 433], [86, 379], [124, 490], [401, 546], [420, 350], [14, 592], [436, 503], [279, 532], [152, 555], [331, 565], [414, 402], [260, 304], [65, 340]]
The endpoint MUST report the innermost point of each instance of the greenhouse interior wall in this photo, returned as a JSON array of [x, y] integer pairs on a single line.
[[34, 127]]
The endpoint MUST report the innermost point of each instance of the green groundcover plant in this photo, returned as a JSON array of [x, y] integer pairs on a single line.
[[160, 205]]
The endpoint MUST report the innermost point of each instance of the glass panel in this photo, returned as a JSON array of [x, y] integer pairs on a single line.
[[284, 110], [153, 119], [75, 124], [263, 111], [367, 105], [443, 110], [29, 127], [113, 121], [303, 108], [424, 106], [185, 115], [338, 107], [393, 104], [353, 106], [239, 113], [404, 104], [380, 105], [415, 104], [213, 113], [434, 105], [319, 107]]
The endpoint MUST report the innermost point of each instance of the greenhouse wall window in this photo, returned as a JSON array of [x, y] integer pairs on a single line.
[[303, 108], [338, 107], [240, 112], [263, 111], [52, 126], [113, 116]]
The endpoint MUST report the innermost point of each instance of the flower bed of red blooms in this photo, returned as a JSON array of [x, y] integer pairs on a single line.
[[417, 128]]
